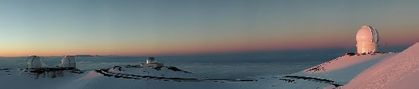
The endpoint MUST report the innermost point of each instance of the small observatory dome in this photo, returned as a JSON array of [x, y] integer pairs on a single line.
[[367, 40], [151, 60], [34, 62], [68, 62]]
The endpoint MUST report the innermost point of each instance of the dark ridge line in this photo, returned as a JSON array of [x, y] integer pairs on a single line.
[[4, 68], [316, 79], [288, 80], [44, 70], [106, 73], [172, 68]]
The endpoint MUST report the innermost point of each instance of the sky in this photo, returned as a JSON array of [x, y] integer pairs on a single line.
[[166, 27]]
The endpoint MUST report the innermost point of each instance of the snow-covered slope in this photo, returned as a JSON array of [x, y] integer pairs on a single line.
[[341, 70], [332, 74], [17, 79], [398, 72], [124, 77]]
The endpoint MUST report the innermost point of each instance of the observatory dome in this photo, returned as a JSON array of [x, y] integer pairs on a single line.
[[367, 40], [68, 62], [34, 62]]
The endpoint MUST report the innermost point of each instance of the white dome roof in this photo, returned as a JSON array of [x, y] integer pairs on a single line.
[[68, 61], [367, 40], [367, 33], [34, 62]]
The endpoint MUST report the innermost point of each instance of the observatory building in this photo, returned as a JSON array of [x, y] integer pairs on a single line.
[[367, 40], [68, 62], [34, 67], [152, 63], [34, 62]]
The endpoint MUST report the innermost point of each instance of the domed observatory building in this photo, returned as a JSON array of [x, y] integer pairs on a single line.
[[152, 63], [68, 62], [34, 62], [367, 40]]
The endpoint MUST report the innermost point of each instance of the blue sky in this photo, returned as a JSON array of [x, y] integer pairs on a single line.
[[146, 27]]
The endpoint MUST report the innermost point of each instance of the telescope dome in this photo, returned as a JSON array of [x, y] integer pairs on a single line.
[[34, 62], [367, 40], [68, 62]]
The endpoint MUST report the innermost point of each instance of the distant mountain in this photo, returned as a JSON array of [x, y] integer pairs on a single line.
[[87, 55]]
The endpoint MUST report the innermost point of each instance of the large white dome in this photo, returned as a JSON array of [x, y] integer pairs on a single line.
[[68, 62], [34, 62], [367, 40]]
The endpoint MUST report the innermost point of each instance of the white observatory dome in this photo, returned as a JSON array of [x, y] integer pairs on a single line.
[[367, 40], [68, 62], [34, 62]]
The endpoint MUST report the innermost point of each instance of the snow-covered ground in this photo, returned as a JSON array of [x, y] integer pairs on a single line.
[[96, 80], [344, 68], [334, 73], [398, 72], [378, 71]]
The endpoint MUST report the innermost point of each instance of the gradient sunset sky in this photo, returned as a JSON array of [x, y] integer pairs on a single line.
[[161, 27]]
